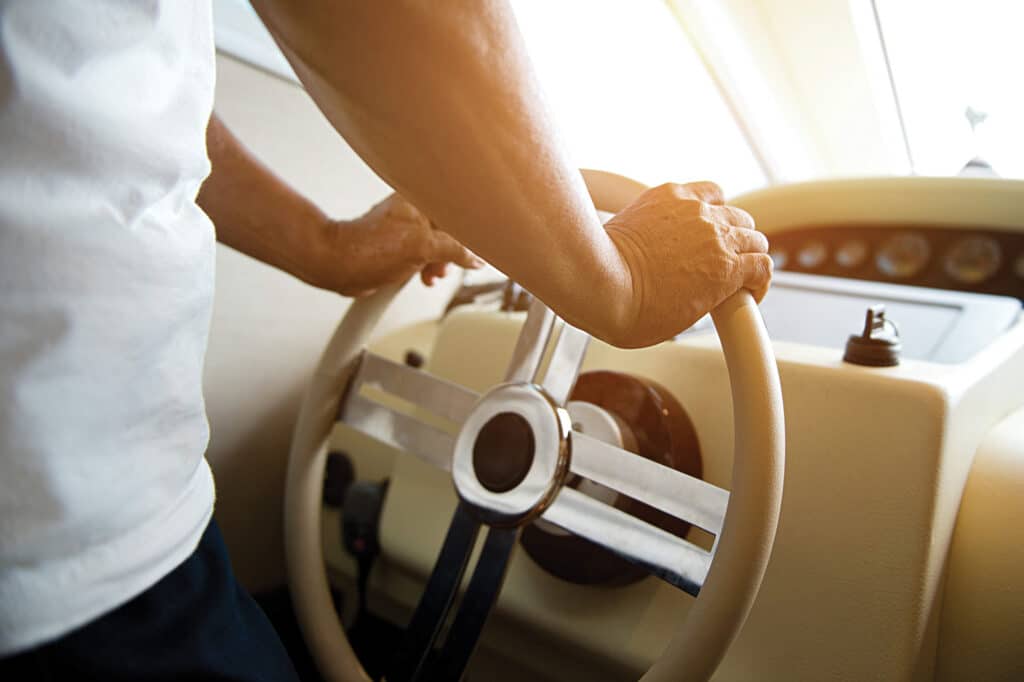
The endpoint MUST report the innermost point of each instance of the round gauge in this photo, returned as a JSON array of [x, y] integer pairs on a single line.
[[779, 258], [903, 255], [812, 255], [1018, 266], [852, 253], [973, 260]]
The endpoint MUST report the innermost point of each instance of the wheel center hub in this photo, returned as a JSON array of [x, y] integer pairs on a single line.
[[503, 452], [512, 454]]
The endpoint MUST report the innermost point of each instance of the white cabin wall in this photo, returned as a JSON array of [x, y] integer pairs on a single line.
[[268, 328]]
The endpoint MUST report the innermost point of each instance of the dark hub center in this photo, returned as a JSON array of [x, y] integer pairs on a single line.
[[503, 452]]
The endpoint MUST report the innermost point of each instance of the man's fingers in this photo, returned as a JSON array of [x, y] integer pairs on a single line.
[[432, 271], [748, 241], [447, 250], [756, 271]]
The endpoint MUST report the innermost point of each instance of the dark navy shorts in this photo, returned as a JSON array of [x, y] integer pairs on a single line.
[[197, 623]]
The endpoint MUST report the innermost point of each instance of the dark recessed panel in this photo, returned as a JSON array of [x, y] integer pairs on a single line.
[[979, 260]]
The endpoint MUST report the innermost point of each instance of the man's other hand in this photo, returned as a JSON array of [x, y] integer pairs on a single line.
[[388, 244], [686, 252]]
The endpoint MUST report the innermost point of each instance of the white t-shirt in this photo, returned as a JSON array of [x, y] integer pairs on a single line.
[[106, 281]]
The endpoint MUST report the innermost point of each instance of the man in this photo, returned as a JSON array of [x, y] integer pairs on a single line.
[[109, 566]]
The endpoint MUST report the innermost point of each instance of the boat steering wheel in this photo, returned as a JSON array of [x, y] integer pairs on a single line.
[[513, 453]]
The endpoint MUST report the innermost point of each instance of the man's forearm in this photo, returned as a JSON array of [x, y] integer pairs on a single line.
[[439, 99], [254, 211]]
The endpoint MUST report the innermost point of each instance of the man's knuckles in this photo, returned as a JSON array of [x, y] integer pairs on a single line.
[[705, 191]]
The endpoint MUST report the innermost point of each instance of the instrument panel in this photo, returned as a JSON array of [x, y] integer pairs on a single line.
[[978, 260]]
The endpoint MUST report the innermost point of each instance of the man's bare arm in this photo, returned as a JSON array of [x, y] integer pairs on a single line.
[[439, 98], [258, 214]]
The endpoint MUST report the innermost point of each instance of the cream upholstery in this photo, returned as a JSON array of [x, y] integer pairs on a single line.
[[981, 635]]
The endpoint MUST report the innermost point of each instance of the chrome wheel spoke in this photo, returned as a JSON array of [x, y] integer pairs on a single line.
[[565, 363], [684, 497], [406, 408], [481, 596], [426, 391], [533, 339], [672, 559], [411, 659], [400, 431], [566, 356]]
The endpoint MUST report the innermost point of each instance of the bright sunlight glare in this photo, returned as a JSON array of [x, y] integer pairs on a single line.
[[630, 94]]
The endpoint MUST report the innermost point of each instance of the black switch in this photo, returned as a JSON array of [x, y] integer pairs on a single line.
[[878, 345]]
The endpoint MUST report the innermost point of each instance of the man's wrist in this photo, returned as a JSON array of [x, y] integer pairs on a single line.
[[627, 296], [603, 300], [306, 244]]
